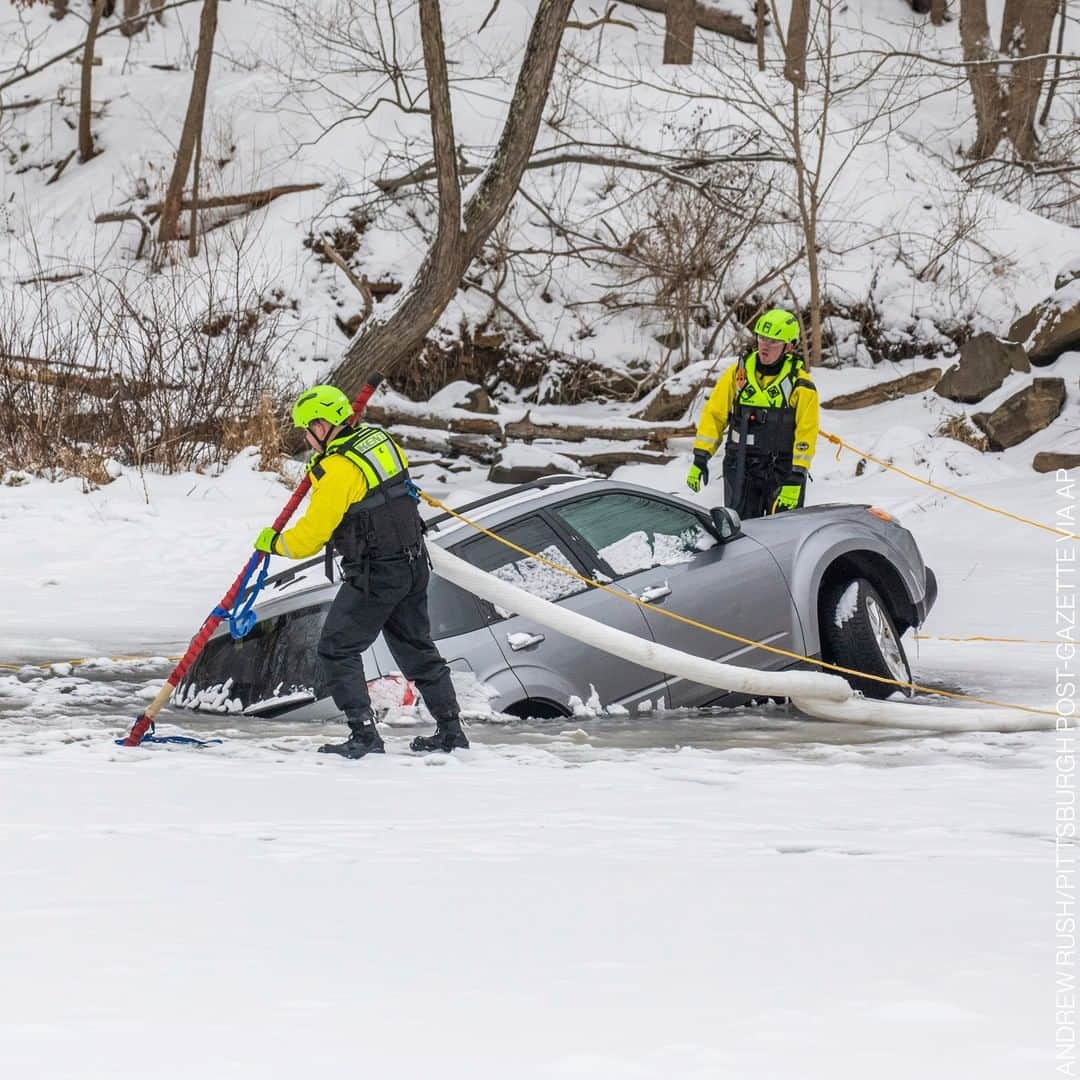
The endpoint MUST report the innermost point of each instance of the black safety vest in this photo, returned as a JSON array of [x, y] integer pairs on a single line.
[[762, 421], [385, 522]]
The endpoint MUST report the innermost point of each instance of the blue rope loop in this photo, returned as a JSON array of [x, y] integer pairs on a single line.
[[242, 619]]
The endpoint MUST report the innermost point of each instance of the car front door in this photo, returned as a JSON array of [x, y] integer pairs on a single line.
[[663, 554], [551, 666]]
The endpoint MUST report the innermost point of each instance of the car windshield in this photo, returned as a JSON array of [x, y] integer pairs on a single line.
[[633, 532]]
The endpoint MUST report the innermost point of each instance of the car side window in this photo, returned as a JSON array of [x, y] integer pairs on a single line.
[[535, 535], [634, 532], [452, 610]]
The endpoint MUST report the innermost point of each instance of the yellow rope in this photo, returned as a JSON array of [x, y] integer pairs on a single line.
[[944, 490], [438, 504], [993, 640]]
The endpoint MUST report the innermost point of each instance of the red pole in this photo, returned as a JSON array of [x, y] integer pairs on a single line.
[[210, 624]]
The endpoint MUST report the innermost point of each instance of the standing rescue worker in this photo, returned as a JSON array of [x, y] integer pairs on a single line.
[[362, 504], [770, 409]]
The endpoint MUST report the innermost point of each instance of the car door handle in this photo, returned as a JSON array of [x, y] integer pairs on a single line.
[[523, 641], [655, 592]]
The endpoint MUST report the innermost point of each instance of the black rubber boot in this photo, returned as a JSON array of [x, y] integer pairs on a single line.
[[363, 739], [448, 736]]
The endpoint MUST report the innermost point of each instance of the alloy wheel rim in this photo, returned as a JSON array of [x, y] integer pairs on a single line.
[[886, 640]]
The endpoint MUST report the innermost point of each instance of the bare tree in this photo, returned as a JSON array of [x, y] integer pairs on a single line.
[[86, 138], [760, 8], [383, 343], [169, 226], [1062, 18], [1005, 105], [795, 50], [1026, 27], [680, 24]]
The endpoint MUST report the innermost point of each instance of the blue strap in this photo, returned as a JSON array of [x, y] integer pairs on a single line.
[[242, 619], [413, 490]]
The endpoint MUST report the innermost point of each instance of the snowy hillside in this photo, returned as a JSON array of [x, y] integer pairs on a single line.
[[910, 256]]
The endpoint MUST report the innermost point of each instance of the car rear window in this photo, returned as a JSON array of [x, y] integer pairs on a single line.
[[277, 658]]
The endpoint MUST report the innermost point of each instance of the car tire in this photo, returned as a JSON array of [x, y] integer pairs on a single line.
[[858, 632]]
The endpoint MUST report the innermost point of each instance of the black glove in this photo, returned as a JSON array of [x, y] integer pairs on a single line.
[[701, 460]]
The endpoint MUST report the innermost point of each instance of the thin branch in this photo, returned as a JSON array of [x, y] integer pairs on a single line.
[[360, 284], [30, 72]]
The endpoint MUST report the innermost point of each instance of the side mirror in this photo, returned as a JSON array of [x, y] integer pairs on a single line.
[[726, 523]]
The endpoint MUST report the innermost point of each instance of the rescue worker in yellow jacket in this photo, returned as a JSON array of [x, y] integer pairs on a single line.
[[363, 506], [769, 407]]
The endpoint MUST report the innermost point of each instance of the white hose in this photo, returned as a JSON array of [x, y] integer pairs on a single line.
[[825, 697]]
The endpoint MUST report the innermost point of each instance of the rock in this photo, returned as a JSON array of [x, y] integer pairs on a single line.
[[677, 392], [1069, 272], [667, 405], [523, 464], [984, 363], [478, 401], [1047, 461], [1052, 326], [1032, 409], [915, 383]]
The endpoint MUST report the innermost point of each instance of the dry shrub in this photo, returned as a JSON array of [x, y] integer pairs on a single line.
[[134, 377], [264, 429], [959, 427]]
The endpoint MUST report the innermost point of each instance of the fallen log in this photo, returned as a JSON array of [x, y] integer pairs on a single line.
[[915, 383], [707, 18], [458, 425]]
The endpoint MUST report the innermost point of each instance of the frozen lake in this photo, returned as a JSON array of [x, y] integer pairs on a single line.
[[740, 894]]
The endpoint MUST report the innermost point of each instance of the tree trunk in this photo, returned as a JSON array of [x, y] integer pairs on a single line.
[[938, 11], [170, 210], [1062, 17], [680, 24], [386, 340], [1025, 31], [132, 24], [798, 34], [759, 32], [86, 138], [986, 90]]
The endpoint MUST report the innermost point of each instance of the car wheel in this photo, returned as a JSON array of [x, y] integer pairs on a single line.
[[858, 632]]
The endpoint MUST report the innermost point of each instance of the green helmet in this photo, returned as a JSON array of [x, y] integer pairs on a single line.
[[778, 324], [321, 403]]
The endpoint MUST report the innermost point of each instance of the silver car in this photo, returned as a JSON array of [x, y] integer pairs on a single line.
[[839, 582]]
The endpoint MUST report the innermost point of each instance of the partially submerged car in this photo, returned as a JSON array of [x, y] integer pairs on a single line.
[[838, 582]]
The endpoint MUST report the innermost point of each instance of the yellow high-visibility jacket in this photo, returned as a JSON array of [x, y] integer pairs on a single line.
[[340, 485], [803, 398]]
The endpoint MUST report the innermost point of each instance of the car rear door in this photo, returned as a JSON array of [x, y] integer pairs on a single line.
[[552, 666], [663, 554]]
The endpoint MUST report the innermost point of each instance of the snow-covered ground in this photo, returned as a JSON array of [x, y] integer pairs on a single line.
[[750, 895]]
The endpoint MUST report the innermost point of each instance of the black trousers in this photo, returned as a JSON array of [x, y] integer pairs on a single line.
[[394, 602], [753, 493]]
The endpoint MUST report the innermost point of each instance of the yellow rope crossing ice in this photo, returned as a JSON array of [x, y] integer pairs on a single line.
[[569, 572], [842, 445]]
